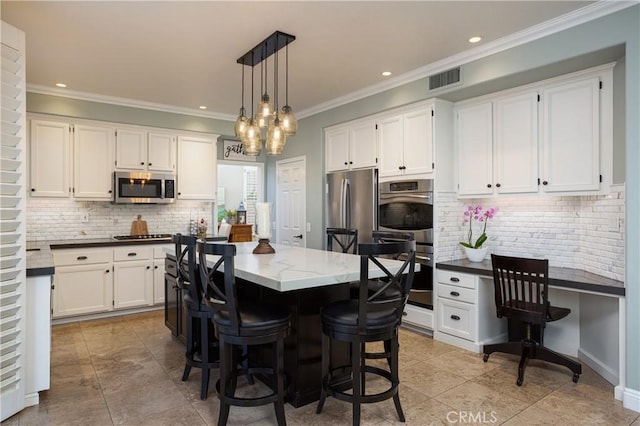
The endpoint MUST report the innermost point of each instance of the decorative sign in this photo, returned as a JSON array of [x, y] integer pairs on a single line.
[[234, 150]]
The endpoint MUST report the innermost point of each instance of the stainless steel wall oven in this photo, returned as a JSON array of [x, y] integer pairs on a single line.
[[407, 206]]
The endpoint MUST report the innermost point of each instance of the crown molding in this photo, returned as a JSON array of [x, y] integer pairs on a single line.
[[132, 103], [588, 13]]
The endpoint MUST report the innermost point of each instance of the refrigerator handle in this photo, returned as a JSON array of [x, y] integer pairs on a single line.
[[342, 202], [347, 203]]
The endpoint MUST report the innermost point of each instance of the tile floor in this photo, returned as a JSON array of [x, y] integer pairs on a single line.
[[127, 370]]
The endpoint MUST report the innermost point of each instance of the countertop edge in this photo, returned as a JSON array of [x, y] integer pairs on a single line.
[[616, 288]]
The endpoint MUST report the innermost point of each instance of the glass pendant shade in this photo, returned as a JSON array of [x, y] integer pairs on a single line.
[[251, 139], [242, 122], [289, 121], [265, 111], [276, 138]]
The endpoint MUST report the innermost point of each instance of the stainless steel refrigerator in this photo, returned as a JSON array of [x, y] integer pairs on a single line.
[[352, 202]]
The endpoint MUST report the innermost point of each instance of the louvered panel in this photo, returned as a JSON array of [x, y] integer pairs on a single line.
[[12, 222]]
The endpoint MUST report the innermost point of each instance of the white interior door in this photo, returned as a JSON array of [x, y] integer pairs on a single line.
[[291, 202]]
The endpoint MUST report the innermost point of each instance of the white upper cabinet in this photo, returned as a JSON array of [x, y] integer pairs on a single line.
[[549, 137], [141, 150], [197, 164], [161, 152], [474, 136], [50, 158], [516, 143], [93, 160], [351, 146], [571, 136], [406, 143]]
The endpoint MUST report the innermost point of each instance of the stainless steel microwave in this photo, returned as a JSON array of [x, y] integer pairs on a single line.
[[144, 188]]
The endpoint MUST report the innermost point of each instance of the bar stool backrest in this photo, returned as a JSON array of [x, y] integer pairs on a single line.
[[219, 280], [346, 238], [185, 251]]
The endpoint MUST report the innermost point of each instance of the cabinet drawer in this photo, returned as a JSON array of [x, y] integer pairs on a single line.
[[132, 253], [457, 319], [456, 278], [77, 257], [461, 294], [418, 316]]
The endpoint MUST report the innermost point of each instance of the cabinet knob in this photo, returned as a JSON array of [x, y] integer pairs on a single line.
[[106, 271], [33, 190], [110, 191], [150, 164], [155, 267], [544, 182], [346, 163], [142, 163], [350, 162], [455, 317], [488, 185], [497, 185], [454, 279], [148, 267]]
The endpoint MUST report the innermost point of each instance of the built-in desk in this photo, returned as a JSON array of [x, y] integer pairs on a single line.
[[594, 332]]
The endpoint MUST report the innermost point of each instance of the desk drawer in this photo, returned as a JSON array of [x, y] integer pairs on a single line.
[[456, 278], [457, 319], [460, 294]]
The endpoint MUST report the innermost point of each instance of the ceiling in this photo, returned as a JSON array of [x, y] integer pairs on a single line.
[[182, 54]]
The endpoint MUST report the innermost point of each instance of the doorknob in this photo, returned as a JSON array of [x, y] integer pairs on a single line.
[[298, 236]]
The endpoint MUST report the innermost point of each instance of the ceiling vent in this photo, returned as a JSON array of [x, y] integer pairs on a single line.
[[444, 78]]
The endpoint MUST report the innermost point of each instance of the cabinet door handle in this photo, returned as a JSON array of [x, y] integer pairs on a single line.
[[497, 185], [81, 258], [544, 182], [106, 271], [148, 267], [455, 293], [155, 267], [33, 190], [132, 254], [150, 164], [454, 279], [455, 317], [142, 163], [488, 185]]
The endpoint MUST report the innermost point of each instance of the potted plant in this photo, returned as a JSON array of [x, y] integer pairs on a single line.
[[474, 249], [231, 216]]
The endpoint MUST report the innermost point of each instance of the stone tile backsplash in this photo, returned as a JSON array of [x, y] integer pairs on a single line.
[[61, 219], [583, 232]]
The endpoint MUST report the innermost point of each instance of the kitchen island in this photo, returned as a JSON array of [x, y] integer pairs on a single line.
[[304, 280]]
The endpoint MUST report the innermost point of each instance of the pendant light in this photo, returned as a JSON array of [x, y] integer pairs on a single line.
[[289, 121], [242, 122], [276, 137], [265, 107], [251, 140], [267, 116]]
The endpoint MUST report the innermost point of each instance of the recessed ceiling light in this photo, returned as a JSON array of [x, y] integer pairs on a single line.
[[475, 39], [203, 107], [61, 85], [386, 73]]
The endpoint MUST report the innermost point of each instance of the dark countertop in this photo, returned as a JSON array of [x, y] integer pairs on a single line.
[[40, 258], [558, 277]]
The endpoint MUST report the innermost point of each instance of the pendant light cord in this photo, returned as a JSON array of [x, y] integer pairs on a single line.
[[287, 74]]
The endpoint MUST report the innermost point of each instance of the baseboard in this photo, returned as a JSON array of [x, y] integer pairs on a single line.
[[631, 399], [609, 374], [118, 313], [457, 341], [31, 399]]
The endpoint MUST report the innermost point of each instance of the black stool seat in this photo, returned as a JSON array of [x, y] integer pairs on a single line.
[[256, 320], [342, 317], [242, 325]]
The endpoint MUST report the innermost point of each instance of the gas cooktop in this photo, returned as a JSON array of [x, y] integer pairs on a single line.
[[143, 237]]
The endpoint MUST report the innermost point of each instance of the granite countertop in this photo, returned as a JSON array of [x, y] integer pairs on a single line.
[[558, 277]]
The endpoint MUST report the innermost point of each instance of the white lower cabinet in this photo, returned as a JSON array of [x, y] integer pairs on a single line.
[[83, 282], [96, 280], [466, 312]]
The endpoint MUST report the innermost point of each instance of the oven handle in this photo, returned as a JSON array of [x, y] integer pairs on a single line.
[[406, 197]]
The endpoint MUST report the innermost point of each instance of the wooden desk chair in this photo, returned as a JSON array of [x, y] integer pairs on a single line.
[[347, 239], [370, 318], [201, 344], [521, 289], [238, 326]]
